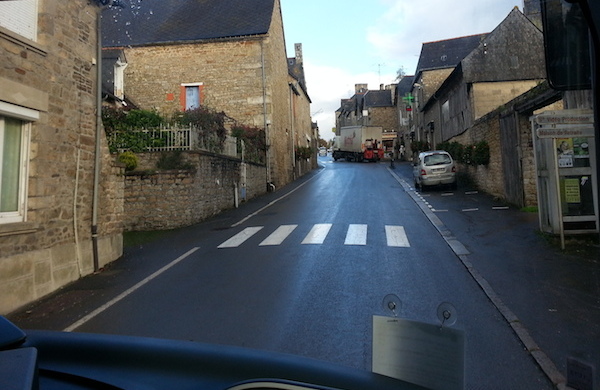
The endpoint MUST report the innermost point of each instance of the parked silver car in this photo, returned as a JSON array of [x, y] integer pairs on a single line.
[[433, 168]]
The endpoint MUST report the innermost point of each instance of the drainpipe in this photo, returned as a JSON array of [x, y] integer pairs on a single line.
[[265, 121], [293, 129], [99, 128]]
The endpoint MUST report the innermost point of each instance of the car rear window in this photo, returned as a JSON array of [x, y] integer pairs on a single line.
[[437, 159]]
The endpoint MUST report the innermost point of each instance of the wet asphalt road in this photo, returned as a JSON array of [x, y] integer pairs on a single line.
[[317, 299]]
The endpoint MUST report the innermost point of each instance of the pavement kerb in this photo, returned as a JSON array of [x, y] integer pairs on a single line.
[[540, 357]]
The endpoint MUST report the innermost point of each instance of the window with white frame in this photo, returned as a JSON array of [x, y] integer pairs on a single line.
[[14, 147], [191, 95], [20, 17]]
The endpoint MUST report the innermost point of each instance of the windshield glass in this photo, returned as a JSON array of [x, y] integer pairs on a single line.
[[437, 159]]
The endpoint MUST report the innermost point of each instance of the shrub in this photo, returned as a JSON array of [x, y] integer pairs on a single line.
[[129, 159], [142, 119], [255, 142], [209, 123], [304, 152], [481, 153]]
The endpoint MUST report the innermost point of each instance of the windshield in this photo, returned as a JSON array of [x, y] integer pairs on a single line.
[[168, 171], [437, 159]]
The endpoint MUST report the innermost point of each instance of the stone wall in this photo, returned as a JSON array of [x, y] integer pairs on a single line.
[[159, 200], [386, 117], [279, 109], [486, 97], [488, 178], [245, 77], [55, 76], [491, 178]]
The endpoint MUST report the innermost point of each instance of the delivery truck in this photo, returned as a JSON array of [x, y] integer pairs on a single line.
[[358, 143]]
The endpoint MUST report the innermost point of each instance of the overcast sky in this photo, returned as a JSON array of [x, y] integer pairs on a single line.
[[347, 42]]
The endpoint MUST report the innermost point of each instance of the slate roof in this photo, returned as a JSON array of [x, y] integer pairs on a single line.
[[142, 22], [447, 53], [405, 85], [378, 98]]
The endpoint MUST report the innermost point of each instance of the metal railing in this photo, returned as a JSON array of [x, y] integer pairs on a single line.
[[171, 139]]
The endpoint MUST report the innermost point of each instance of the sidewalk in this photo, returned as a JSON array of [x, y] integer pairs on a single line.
[[550, 297]]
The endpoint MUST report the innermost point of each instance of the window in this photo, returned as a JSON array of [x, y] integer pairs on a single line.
[[20, 17], [14, 146], [119, 70], [191, 96]]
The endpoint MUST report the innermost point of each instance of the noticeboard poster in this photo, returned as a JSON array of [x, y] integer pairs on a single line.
[[576, 195], [573, 152]]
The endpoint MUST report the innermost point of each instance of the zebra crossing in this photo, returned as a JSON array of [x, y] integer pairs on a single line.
[[356, 234]]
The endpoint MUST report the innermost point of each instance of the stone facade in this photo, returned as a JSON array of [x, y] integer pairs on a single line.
[[54, 77], [486, 97], [245, 77], [492, 177], [158, 200]]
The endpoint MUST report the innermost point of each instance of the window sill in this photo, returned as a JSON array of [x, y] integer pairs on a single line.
[[22, 41], [13, 229]]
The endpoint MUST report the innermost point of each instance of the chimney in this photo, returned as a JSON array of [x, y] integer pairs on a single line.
[[298, 49], [360, 89]]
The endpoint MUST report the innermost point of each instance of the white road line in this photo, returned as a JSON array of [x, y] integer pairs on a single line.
[[473, 209], [124, 294], [275, 201], [396, 236], [356, 235], [500, 208], [317, 234], [239, 238], [280, 234]]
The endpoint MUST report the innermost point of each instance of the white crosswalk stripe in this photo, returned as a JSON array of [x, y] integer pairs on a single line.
[[277, 237], [356, 234], [317, 234], [396, 236], [241, 237]]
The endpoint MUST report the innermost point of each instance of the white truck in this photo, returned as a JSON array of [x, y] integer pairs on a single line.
[[358, 143]]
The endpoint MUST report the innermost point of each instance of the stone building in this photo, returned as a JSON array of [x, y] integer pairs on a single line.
[[371, 108], [404, 102], [436, 61], [301, 130], [228, 55], [495, 72], [58, 184]]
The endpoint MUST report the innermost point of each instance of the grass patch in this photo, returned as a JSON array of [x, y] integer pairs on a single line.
[[584, 246], [530, 209]]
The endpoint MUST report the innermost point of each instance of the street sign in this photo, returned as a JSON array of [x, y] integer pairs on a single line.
[[565, 117], [565, 131]]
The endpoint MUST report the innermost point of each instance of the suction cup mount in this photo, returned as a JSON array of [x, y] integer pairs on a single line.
[[446, 313], [391, 303]]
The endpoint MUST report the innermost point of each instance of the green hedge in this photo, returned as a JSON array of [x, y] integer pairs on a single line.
[[474, 154]]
